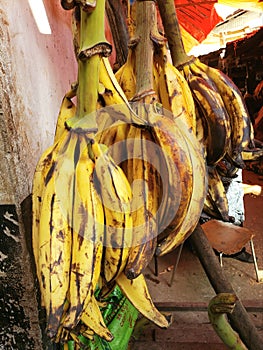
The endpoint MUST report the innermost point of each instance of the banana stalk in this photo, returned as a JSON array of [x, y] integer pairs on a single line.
[[221, 304], [145, 20], [172, 31], [91, 49]]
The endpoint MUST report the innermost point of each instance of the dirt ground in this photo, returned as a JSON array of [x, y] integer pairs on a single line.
[[191, 291]]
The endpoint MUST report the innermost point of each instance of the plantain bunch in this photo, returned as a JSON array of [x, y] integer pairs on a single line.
[[218, 113], [160, 94], [83, 223]]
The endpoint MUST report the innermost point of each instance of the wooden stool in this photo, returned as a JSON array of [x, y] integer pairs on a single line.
[[229, 239]]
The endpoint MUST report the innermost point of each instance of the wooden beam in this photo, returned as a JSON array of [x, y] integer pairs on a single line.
[[239, 319]]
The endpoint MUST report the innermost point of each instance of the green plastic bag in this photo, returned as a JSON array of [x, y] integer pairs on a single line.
[[120, 317]]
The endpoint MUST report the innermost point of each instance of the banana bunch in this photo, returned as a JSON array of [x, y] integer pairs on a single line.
[[223, 128], [172, 123], [87, 229], [73, 183]]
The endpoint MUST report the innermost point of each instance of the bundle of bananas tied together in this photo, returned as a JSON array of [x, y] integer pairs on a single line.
[[169, 110], [224, 128], [83, 226], [218, 113]]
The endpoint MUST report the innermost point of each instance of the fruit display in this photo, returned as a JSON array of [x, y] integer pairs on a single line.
[[135, 161]]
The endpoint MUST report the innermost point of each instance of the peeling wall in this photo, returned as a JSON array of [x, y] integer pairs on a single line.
[[35, 72]]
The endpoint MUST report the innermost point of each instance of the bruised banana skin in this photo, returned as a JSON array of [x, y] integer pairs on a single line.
[[126, 77], [136, 291], [87, 232], [42, 194], [115, 193], [178, 186], [92, 318], [215, 115], [143, 178], [241, 126], [196, 204], [67, 110], [174, 91], [216, 203], [201, 131]]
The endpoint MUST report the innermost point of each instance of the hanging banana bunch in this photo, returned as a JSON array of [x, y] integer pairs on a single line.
[[223, 125], [171, 127], [68, 198]]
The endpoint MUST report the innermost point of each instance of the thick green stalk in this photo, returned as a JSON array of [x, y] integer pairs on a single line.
[[92, 32], [88, 86], [92, 46], [172, 31]]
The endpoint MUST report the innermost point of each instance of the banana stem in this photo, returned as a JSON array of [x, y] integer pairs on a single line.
[[92, 47], [88, 86], [145, 19], [172, 31], [92, 32], [218, 307]]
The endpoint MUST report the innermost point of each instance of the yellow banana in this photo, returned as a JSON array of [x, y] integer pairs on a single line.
[[116, 194], [92, 318], [197, 199], [43, 166], [67, 110], [174, 91], [88, 234], [113, 93], [116, 106], [212, 110], [43, 190], [126, 76], [241, 126], [144, 181], [136, 291]]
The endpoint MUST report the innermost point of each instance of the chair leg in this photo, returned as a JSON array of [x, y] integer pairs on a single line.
[[259, 273], [221, 258], [176, 264], [156, 272]]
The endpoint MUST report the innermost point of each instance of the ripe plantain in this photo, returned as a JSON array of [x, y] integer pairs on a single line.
[[143, 177], [88, 233], [214, 115], [241, 126], [197, 199], [92, 318], [126, 75], [136, 291], [115, 193], [178, 188], [173, 90], [67, 110]]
